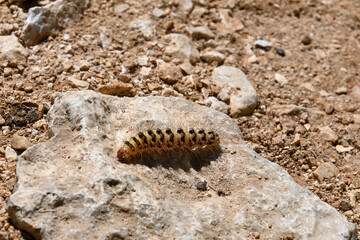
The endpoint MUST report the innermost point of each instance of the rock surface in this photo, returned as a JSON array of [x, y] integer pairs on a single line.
[[50, 19], [12, 53], [76, 176], [243, 99]]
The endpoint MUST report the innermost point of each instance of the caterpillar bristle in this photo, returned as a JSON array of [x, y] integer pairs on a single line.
[[168, 140]]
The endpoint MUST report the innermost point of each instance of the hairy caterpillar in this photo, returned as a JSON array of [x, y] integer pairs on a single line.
[[168, 140]]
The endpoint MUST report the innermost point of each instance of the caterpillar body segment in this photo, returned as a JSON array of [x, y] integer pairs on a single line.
[[166, 140]]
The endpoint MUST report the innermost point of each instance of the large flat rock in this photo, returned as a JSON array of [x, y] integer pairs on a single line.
[[74, 187]]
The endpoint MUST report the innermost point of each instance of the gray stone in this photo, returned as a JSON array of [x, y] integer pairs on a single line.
[[180, 46], [201, 32], [120, 8], [10, 154], [74, 187], [266, 45], [213, 56], [326, 170], [243, 99], [48, 20], [12, 53]]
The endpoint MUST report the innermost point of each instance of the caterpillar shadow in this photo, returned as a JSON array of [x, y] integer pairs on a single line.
[[177, 159]]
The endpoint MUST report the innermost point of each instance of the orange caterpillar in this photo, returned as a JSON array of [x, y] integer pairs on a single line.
[[168, 140]]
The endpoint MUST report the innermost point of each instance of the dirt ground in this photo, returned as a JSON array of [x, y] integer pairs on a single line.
[[320, 40]]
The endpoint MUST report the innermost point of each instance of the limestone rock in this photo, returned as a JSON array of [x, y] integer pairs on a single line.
[[326, 170], [12, 53], [341, 90], [186, 67], [19, 142], [50, 19], [76, 176], [180, 46], [243, 100]]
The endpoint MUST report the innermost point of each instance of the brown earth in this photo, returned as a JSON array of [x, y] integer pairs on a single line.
[[321, 40]]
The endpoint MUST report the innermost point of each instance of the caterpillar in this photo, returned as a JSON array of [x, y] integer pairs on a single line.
[[167, 140]]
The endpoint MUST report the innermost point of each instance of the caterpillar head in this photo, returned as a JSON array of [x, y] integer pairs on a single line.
[[122, 153]]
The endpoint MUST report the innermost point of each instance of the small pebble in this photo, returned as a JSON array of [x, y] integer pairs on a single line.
[[157, 12], [328, 134], [213, 56], [342, 149], [345, 205], [281, 79], [306, 40], [280, 52], [201, 33], [252, 59], [341, 90], [118, 89], [169, 72], [120, 8], [2, 120], [19, 142], [66, 37], [10, 154], [263, 44], [202, 186], [325, 171]]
